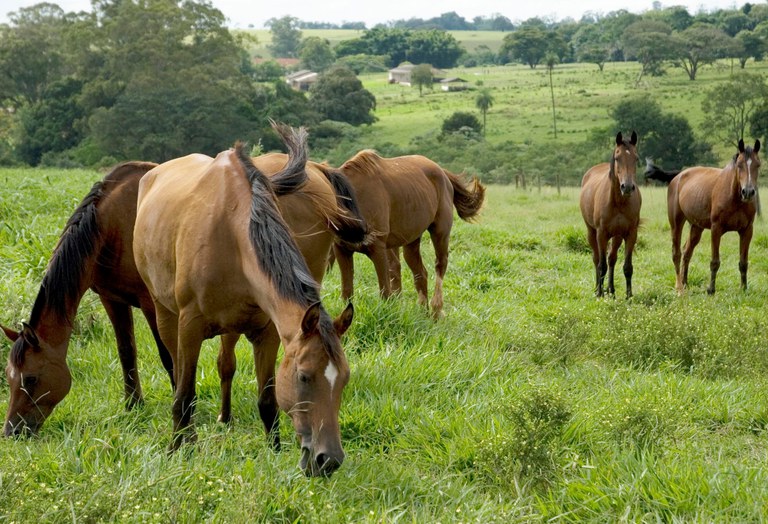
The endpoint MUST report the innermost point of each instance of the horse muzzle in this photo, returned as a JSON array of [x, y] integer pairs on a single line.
[[18, 427], [748, 193], [627, 188], [319, 463]]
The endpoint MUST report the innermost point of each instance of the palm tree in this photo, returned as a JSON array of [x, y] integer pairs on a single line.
[[551, 60], [483, 102]]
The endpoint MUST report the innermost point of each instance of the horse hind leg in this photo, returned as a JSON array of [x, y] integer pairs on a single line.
[[440, 238], [412, 255], [121, 317], [395, 278], [694, 236], [629, 248]]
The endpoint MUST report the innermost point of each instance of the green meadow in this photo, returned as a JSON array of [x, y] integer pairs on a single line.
[[530, 401]]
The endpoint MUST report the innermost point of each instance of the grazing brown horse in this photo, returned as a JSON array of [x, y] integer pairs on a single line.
[[610, 205], [401, 198], [718, 199], [96, 251], [217, 257]]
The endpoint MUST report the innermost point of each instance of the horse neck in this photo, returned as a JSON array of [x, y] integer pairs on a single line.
[[52, 325]]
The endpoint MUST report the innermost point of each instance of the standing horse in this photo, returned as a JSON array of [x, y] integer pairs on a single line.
[[401, 198], [654, 172], [718, 199], [217, 257], [610, 205], [95, 251]]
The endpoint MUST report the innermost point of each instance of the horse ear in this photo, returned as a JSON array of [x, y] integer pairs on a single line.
[[29, 335], [741, 145], [619, 139], [12, 335], [310, 320], [633, 138], [341, 324], [757, 146]]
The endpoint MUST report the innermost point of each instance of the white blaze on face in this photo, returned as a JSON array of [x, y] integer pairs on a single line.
[[13, 372], [331, 373]]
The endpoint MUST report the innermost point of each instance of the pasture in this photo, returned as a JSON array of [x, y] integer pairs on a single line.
[[531, 400]]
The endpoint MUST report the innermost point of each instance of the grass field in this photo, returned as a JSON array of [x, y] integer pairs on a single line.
[[530, 401]]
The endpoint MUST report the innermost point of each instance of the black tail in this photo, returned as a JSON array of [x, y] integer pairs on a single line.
[[350, 226], [654, 172], [293, 176]]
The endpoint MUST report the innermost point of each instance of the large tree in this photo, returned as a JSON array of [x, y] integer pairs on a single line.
[[701, 44], [286, 36], [666, 138], [650, 43], [33, 53], [528, 45], [434, 47], [339, 95], [731, 106], [316, 54]]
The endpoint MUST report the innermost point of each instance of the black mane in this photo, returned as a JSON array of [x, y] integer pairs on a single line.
[[63, 279], [278, 254]]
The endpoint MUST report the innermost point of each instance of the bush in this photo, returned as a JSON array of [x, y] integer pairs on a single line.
[[463, 123]]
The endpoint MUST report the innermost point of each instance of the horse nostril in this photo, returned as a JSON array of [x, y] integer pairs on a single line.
[[326, 464], [747, 193]]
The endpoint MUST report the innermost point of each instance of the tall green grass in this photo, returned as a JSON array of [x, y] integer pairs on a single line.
[[530, 400]]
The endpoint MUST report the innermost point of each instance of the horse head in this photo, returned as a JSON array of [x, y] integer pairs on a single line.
[[623, 165], [39, 379], [310, 381], [747, 165]]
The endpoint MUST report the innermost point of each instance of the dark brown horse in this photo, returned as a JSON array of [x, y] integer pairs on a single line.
[[217, 257], [95, 251], [721, 200], [401, 198], [610, 205]]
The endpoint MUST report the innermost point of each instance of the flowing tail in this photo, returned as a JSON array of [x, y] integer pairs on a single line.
[[349, 224], [467, 198], [293, 176]]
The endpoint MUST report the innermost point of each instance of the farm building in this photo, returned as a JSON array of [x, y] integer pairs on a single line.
[[301, 80], [453, 84], [402, 74]]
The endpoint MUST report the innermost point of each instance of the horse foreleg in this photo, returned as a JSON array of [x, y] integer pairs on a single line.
[[629, 248], [602, 263], [745, 237], [714, 264], [395, 278], [187, 354], [265, 347], [121, 317], [613, 256], [226, 363], [694, 236], [346, 269]]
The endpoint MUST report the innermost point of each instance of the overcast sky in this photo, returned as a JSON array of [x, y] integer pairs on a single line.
[[246, 13]]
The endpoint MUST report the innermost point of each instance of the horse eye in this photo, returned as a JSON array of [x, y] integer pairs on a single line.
[[28, 382], [304, 378]]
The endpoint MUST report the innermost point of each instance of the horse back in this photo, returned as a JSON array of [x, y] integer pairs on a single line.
[[690, 195], [193, 216]]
